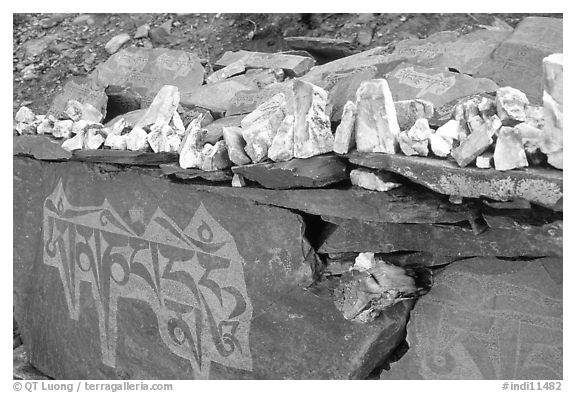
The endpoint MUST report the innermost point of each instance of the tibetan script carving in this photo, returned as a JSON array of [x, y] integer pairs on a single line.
[[191, 278], [435, 84]]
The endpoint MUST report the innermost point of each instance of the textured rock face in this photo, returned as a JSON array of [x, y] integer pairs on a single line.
[[136, 139], [235, 144], [552, 139], [511, 105], [116, 43], [162, 108], [215, 157], [312, 132], [163, 139], [439, 146], [230, 70], [449, 131], [415, 140], [291, 64], [372, 180], [408, 111], [62, 129], [376, 122], [282, 148], [25, 115], [509, 151], [345, 137], [74, 143], [192, 144], [116, 142]]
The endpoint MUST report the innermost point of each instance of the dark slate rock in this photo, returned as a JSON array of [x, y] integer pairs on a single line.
[[39, 147], [217, 97], [313, 172], [185, 174], [499, 240], [517, 61], [342, 88], [538, 185], [22, 369], [323, 49], [125, 157], [173, 266], [292, 65], [402, 205], [487, 319], [121, 100]]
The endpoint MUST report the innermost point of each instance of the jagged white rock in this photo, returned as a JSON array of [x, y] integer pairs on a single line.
[[511, 105], [377, 126], [371, 180], [25, 115], [235, 144], [345, 138], [282, 148], [62, 129], [74, 143], [136, 139], [116, 142]]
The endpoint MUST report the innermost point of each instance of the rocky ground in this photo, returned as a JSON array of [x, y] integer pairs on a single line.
[[50, 48]]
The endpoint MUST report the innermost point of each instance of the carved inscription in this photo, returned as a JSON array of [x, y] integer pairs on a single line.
[[192, 278], [437, 84]]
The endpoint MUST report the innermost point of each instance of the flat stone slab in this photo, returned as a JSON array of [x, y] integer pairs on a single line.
[[399, 205], [147, 70], [128, 276], [520, 240], [22, 369], [216, 97], [246, 101], [517, 61], [39, 147], [408, 81], [215, 128], [313, 172], [124, 157], [292, 65], [538, 185], [185, 174], [487, 319], [323, 49], [80, 89]]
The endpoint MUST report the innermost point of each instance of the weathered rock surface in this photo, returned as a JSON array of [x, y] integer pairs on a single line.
[[138, 158], [376, 122], [163, 139], [323, 49], [475, 144], [373, 180], [215, 129], [188, 174], [260, 127], [39, 147], [216, 97], [83, 90], [408, 81], [291, 64], [415, 141], [192, 144], [440, 147], [262, 273], [409, 111], [116, 142], [514, 241], [162, 108], [116, 43], [282, 147], [318, 171], [215, 157], [25, 115], [148, 70], [226, 72], [553, 73], [142, 31], [509, 150], [62, 129], [511, 105], [449, 131], [235, 144], [238, 181], [92, 139], [136, 139], [517, 61], [345, 136], [485, 160], [538, 185], [470, 314], [312, 132], [246, 101]]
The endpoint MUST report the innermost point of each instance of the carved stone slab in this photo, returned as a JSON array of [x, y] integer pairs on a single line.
[[292, 65], [517, 62], [317, 171], [127, 276], [487, 319], [147, 70], [539, 185]]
